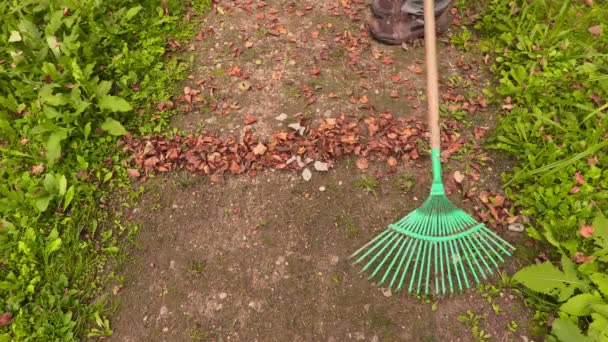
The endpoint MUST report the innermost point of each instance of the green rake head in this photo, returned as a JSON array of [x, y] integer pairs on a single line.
[[436, 248]]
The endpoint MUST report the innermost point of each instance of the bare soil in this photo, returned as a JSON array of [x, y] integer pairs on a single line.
[[265, 258]]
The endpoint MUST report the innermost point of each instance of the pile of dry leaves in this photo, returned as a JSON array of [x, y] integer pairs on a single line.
[[383, 138]]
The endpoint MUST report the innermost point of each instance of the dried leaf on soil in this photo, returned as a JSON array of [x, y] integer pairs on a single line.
[[249, 119], [362, 163], [458, 177], [133, 173], [260, 149]]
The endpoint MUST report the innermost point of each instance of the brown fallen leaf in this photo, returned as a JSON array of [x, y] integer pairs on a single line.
[[587, 230], [315, 71], [595, 30], [581, 258], [392, 161], [362, 163], [133, 173], [363, 99], [259, 149], [458, 177], [578, 176], [417, 69], [37, 169], [234, 71], [6, 319], [249, 119]]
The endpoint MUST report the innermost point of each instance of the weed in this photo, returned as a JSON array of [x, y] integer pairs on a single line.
[[196, 266], [512, 326], [352, 230], [496, 308], [338, 53], [463, 39], [368, 183], [198, 335], [457, 81], [263, 222], [380, 322], [219, 72], [426, 300], [472, 320], [405, 182], [336, 278]]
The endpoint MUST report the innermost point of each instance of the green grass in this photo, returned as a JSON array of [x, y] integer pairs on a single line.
[[551, 64], [368, 183], [72, 75]]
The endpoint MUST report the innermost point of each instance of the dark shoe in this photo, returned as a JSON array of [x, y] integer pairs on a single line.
[[403, 28], [386, 8]]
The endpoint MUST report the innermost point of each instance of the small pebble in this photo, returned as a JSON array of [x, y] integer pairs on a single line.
[[321, 188], [223, 295], [516, 227], [306, 174]]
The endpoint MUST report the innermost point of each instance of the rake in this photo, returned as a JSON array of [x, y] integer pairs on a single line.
[[438, 247]]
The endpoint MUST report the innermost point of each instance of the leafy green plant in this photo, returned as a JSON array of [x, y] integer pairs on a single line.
[[368, 183], [580, 292], [552, 85], [473, 320], [72, 74], [463, 39]]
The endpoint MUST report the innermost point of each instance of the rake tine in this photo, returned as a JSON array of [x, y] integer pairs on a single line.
[[496, 239], [407, 265], [390, 267], [441, 246], [479, 241], [421, 270], [371, 261], [428, 268], [468, 246], [470, 266], [484, 239], [473, 242], [380, 264], [456, 259], [422, 226], [369, 243], [405, 252]]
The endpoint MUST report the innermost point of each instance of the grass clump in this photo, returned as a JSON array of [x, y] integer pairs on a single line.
[[75, 76], [550, 60]]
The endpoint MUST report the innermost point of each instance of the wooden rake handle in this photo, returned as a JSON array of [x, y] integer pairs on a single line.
[[432, 83]]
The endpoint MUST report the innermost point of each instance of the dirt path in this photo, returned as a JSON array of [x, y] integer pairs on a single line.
[[264, 258]]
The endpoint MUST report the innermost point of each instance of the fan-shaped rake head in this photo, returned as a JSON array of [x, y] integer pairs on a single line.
[[436, 248]]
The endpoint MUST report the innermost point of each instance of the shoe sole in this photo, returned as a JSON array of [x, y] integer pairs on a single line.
[[419, 34], [390, 41], [379, 15]]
